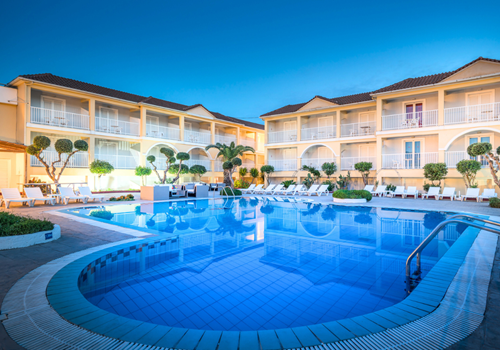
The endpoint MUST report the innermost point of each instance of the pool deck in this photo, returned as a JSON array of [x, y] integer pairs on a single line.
[[77, 236]]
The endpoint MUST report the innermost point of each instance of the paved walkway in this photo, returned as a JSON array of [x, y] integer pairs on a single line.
[[77, 236]]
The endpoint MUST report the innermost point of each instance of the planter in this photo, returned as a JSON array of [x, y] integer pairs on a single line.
[[21, 241], [155, 193], [350, 201]]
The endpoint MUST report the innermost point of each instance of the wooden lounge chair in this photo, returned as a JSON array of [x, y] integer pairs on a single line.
[[273, 190], [411, 191], [381, 191], [36, 195], [249, 189], [448, 192], [312, 189], [67, 194], [471, 193], [487, 194], [297, 189], [13, 195], [85, 191], [323, 189], [433, 192]]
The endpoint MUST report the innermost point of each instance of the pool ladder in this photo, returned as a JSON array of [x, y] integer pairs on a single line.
[[412, 280], [226, 199]]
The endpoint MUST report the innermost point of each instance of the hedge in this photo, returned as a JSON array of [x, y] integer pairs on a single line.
[[494, 202], [229, 192], [352, 194], [14, 225]]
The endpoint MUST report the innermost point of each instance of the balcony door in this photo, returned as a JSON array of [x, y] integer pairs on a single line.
[[479, 98], [290, 131], [480, 106], [53, 109], [412, 154], [323, 153], [366, 152], [152, 124], [413, 111], [108, 119]]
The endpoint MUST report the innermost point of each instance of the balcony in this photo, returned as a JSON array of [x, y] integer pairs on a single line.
[[284, 164], [248, 164], [347, 163], [197, 137], [77, 160], [282, 136], [118, 162], [472, 114], [205, 162], [452, 158], [408, 160], [247, 142], [316, 163], [163, 132], [326, 132], [410, 120], [61, 119], [225, 139], [358, 129], [113, 126]]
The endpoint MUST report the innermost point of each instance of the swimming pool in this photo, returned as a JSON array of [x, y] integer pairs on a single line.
[[250, 264]]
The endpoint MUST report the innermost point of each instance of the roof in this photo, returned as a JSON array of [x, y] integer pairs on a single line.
[[96, 89], [367, 96]]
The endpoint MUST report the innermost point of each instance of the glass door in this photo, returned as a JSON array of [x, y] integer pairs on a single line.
[[474, 140], [414, 113], [412, 155]]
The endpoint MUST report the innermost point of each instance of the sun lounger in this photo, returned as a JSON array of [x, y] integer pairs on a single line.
[[412, 191], [265, 190], [274, 190], [448, 192], [369, 188], [381, 191], [487, 194], [289, 190], [297, 189], [258, 189], [249, 189], [85, 191], [471, 193], [312, 189], [399, 191], [13, 195], [36, 195], [433, 192], [322, 189], [67, 194]]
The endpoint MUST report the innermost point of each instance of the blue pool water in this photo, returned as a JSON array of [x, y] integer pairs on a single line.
[[254, 264]]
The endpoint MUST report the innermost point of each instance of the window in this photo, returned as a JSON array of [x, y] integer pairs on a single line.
[[413, 112], [52, 103], [412, 153]]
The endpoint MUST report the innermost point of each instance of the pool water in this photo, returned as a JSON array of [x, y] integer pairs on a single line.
[[250, 264]]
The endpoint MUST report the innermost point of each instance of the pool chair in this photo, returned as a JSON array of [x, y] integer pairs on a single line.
[[258, 189], [412, 191], [399, 191], [433, 192], [297, 189], [85, 191], [289, 190], [471, 193], [381, 191], [67, 194], [273, 190], [322, 189], [369, 188], [249, 189], [312, 189], [267, 189], [36, 195], [487, 194], [13, 195], [448, 192]]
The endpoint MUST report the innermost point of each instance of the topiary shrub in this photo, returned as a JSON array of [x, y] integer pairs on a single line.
[[102, 214], [494, 202], [352, 194], [229, 192], [64, 146], [174, 169]]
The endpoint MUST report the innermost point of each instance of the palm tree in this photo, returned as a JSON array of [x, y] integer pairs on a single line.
[[230, 156]]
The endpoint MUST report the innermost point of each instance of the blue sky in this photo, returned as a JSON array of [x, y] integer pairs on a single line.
[[244, 59]]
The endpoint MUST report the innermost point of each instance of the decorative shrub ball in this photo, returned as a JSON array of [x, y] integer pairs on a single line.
[[237, 162], [81, 145], [32, 150], [63, 146], [494, 202], [168, 152], [227, 165], [41, 142], [151, 159]]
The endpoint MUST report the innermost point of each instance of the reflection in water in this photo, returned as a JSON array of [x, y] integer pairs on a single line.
[[313, 263]]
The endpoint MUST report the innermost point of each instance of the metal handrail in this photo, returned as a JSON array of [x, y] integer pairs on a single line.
[[430, 237]]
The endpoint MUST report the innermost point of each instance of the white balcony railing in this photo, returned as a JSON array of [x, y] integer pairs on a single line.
[[472, 114], [408, 160], [347, 163], [316, 163], [163, 132], [197, 137], [358, 129], [205, 162], [326, 132], [284, 164], [282, 136], [113, 126], [247, 142], [77, 160], [225, 139], [59, 118], [118, 162], [410, 120], [452, 158]]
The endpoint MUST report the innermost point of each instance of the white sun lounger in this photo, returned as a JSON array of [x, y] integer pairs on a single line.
[[85, 191], [322, 189], [274, 190], [297, 189], [249, 189], [265, 190], [411, 191], [471, 193], [36, 195], [487, 194], [399, 191], [381, 191], [289, 190], [312, 189], [433, 191], [13, 195], [369, 188], [448, 192], [67, 194], [257, 189]]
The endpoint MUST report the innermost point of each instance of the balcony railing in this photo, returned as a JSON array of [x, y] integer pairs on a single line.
[[326, 132], [452, 158], [205, 162], [197, 137], [59, 118], [163, 132], [282, 136], [410, 120], [408, 160], [316, 162], [77, 160], [472, 114], [358, 129], [225, 139], [347, 163], [113, 126], [118, 162], [284, 164], [247, 142]]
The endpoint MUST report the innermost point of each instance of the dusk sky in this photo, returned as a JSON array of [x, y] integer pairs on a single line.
[[244, 59]]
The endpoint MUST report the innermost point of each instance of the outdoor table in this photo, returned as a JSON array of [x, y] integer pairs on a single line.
[[366, 129]]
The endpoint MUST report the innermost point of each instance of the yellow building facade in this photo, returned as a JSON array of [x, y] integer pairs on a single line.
[[398, 128]]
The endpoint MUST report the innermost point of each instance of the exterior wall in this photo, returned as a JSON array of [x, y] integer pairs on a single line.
[[8, 122]]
